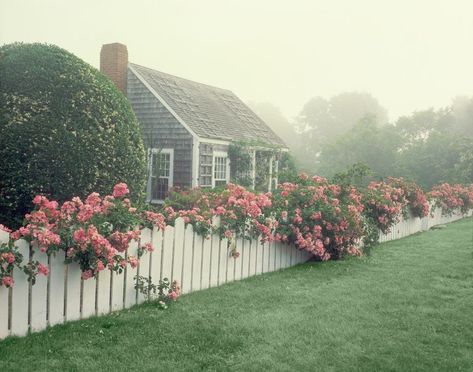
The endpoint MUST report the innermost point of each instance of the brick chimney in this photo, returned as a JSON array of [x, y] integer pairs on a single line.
[[114, 63]]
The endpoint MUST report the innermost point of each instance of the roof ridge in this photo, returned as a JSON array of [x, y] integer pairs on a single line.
[[181, 78]]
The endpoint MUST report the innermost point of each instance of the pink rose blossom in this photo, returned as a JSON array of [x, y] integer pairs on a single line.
[[7, 281], [43, 269], [120, 190], [87, 274]]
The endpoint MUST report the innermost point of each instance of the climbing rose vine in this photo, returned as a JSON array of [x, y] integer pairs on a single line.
[[325, 219]]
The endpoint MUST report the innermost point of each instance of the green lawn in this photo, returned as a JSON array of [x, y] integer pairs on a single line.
[[407, 307]]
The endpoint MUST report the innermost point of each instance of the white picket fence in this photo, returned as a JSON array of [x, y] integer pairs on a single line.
[[198, 263], [412, 225]]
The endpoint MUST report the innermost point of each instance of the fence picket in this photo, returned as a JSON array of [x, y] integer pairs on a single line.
[[187, 259], [230, 262], [156, 256], [239, 261], [130, 292], [73, 291], [103, 293], [144, 266], [215, 260], [168, 246], [245, 256], [118, 281], [88, 297], [223, 261], [4, 312], [253, 261], [4, 305], [56, 288], [179, 239], [39, 296], [20, 290], [206, 262], [197, 263]]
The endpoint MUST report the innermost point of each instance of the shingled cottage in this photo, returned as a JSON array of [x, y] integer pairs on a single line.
[[188, 126]]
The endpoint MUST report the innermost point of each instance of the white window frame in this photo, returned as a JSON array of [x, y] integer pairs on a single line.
[[151, 152], [220, 154]]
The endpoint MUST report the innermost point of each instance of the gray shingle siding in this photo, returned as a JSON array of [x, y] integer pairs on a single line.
[[160, 129]]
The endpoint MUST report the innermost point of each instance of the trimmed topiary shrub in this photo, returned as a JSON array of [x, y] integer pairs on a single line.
[[65, 130]]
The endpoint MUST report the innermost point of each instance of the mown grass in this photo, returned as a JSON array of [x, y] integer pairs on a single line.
[[407, 307]]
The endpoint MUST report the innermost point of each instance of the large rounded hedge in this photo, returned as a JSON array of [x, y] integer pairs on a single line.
[[65, 130]]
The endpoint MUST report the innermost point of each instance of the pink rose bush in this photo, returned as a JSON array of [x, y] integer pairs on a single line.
[[321, 218], [452, 197], [325, 219], [95, 233], [416, 200], [239, 212], [384, 204]]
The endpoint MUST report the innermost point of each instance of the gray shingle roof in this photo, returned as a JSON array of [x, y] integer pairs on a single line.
[[209, 111]]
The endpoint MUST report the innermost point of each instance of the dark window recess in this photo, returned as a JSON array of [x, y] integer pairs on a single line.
[[161, 165]]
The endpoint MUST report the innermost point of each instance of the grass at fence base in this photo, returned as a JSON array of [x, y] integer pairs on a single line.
[[409, 306]]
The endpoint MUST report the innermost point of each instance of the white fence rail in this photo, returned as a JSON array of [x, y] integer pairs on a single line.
[[180, 254]]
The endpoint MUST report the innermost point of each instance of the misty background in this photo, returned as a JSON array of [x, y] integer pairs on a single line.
[[386, 84]]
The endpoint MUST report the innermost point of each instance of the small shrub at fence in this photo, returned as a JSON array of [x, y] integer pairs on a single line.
[[162, 293]]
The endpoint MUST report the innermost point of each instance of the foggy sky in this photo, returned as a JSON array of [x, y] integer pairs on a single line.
[[408, 54]]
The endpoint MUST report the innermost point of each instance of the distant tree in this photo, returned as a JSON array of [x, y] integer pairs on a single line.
[[418, 126], [436, 145], [432, 160], [462, 112], [273, 116], [65, 130], [321, 120], [365, 143], [426, 147], [348, 108], [464, 165]]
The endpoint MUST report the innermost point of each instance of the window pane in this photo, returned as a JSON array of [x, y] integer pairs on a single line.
[[164, 164], [160, 174], [220, 183], [220, 168], [160, 188]]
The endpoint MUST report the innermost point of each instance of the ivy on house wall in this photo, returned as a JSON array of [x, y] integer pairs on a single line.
[[241, 160], [240, 164]]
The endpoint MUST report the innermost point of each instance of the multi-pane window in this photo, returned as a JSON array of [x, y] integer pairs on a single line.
[[220, 170], [161, 173], [206, 165]]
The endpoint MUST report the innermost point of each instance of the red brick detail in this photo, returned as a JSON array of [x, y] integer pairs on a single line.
[[114, 64]]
